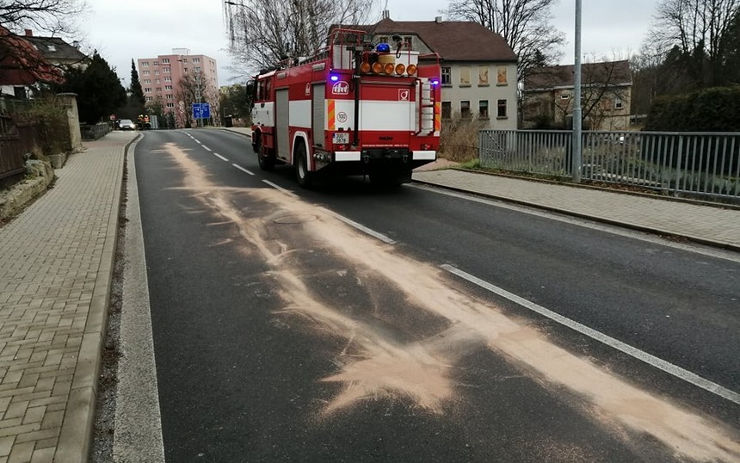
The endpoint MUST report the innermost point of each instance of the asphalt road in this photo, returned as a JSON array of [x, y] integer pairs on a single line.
[[283, 334]]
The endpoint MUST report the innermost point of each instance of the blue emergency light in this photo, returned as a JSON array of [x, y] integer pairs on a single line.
[[383, 48]]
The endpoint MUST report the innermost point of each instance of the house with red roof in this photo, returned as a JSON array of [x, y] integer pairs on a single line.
[[26, 61], [478, 67]]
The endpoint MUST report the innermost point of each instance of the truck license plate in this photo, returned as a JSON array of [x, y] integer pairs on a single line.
[[341, 138]]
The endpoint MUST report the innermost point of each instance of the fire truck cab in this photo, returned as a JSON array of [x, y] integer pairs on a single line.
[[354, 108]]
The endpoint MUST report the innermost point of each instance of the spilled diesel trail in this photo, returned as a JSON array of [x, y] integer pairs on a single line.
[[408, 349]]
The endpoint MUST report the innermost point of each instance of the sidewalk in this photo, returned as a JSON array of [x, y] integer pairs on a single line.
[[55, 270], [704, 224]]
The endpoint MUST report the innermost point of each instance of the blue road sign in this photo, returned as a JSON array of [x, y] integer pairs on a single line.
[[201, 111]]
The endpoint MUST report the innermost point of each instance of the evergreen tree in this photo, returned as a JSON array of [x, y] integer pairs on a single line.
[[99, 91], [137, 94]]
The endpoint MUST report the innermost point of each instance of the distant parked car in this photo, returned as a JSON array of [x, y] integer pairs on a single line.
[[126, 124]]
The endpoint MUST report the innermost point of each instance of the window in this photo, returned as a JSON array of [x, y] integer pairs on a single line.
[[501, 76], [165, 60], [564, 96], [170, 105], [618, 103], [196, 60], [52, 47], [146, 73], [168, 87], [148, 98], [483, 109], [147, 90], [407, 43], [184, 60], [464, 76], [501, 109], [159, 89], [156, 63], [156, 81], [169, 97], [168, 79], [483, 76], [147, 81], [446, 76], [465, 109], [145, 64], [197, 69], [156, 72], [446, 110], [166, 70]]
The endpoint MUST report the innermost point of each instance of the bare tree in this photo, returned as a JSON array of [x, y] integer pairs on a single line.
[[697, 28], [193, 88], [262, 33], [523, 24], [603, 90], [53, 17]]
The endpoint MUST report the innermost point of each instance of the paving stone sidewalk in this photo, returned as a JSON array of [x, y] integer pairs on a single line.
[[55, 269], [705, 224]]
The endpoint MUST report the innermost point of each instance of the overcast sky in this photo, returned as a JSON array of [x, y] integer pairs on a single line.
[[126, 29]]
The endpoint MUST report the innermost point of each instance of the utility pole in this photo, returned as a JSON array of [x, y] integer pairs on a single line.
[[577, 126]]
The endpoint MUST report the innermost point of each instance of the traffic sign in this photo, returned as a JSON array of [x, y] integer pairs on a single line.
[[201, 111]]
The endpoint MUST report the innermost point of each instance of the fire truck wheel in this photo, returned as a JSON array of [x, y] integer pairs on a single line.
[[302, 174], [266, 162]]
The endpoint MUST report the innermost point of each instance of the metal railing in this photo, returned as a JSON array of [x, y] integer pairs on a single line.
[[699, 164]]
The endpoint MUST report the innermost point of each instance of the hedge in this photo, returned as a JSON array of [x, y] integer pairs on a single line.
[[714, 109]]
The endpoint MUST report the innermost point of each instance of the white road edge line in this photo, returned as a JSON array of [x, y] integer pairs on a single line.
[[369, 231], [281, 189], [585, 223], [656, 362], [207, 148], [237, 165], [220, 157]]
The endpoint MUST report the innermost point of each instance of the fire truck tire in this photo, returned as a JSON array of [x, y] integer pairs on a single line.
[[266, 162], [302, 174]]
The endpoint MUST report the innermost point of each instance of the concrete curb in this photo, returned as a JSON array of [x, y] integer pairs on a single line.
[[696, 202], [138, 427], [76, 433], [236, 132], [666, 233]]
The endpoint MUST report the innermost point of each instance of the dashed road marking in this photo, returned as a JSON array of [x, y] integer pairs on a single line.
[[281, 189], [238, 166], [634, 352], [207, 148], [220, 157], [368, 231]]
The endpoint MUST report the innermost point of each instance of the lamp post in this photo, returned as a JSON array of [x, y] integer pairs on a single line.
[[577, 127]]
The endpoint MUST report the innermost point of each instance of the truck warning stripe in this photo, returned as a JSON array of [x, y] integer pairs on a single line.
[[437, 116], [330, 116]]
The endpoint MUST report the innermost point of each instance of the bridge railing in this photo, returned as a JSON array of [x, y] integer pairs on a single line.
[[699, 164]]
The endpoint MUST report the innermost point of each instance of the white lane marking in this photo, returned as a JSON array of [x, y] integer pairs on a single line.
[[585, 223], [281, 189], [359, 226], [656, 362], [237, 166], [220, 157], [197, 141], [207, 148]]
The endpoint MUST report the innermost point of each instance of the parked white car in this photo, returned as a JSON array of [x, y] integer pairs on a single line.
[[126, 124]]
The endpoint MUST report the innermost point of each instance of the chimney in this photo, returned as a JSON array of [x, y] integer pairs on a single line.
[[438, 19], [29, 33], [386, 14]]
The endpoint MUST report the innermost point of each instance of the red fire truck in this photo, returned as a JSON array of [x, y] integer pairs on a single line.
[[355, 108]]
